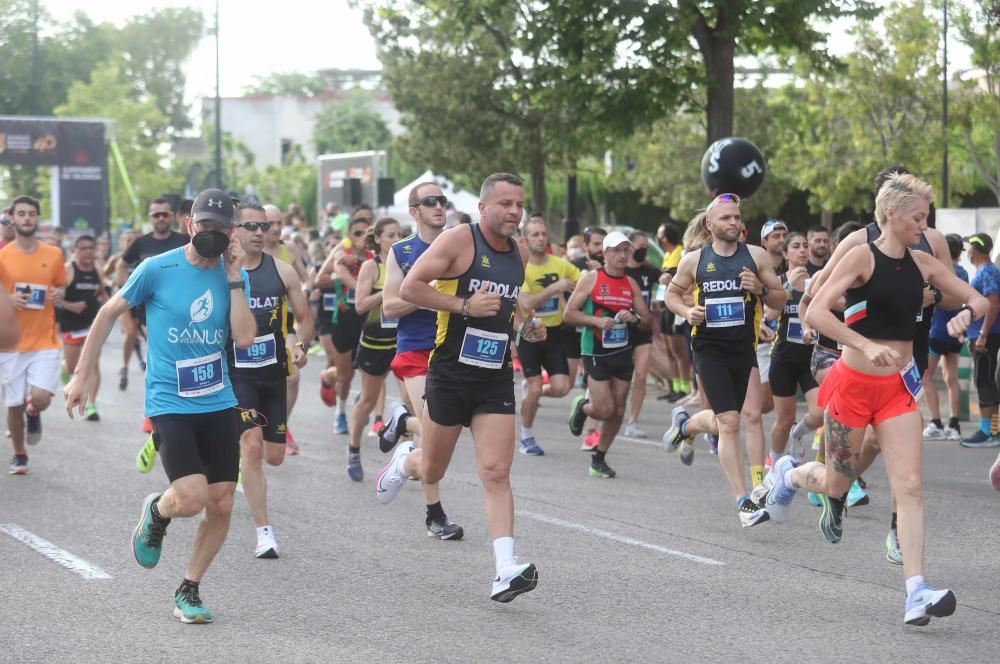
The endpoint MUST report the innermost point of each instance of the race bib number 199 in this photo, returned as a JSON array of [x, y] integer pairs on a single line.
[[261, 353]]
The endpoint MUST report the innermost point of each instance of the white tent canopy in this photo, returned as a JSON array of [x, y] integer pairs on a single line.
[[464, 201]]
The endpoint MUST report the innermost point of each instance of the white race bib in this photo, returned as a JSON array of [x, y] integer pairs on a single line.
[[615, 337], [483, 349], [724, 312], [261, 353], [911, 379], [795, 333], [199, 376], [329, 301], [36, 294], [387, 323], [551, 306]]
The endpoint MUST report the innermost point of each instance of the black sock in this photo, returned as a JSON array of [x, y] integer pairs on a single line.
[[892, 524], [435, 512], [353, 450], [842, 500], [156, 512], [21, 456], [185, 584], [599, 456], [937, 423], [953, 423]]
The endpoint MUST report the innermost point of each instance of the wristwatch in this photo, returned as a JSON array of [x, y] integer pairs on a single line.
[[233, 285], [764, 290]]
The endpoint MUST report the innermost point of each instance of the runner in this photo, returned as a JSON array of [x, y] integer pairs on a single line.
[[84, 296], [378, 336], [33, 273], [326, 305], [478, 270], [546, 281], [731, 280], [259, 373], [818, 238], [188, 394], [772, 239], [647, 277], [604, 303], [593, 238], [668, 235], [415, 339], [876, 381]]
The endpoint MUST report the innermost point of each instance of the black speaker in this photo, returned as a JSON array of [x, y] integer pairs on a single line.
[[352, 192], [386, 192]]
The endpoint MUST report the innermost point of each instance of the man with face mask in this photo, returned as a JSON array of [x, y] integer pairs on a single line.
[[196, 297]]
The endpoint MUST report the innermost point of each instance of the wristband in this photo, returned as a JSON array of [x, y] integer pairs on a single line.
[[233, 285], [465, 307], [968, 307], [938, 295]]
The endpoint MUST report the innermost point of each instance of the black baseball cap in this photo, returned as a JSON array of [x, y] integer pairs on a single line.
[[982, 242], [213, 204]]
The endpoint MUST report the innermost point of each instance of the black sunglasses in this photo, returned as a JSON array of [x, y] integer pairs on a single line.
[[252, 226], [159, 215], [431, 201]]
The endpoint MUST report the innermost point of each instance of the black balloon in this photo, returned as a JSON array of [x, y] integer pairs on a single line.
[[733, 166]]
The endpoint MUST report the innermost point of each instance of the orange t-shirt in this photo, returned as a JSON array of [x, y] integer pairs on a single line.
[[37, 273]]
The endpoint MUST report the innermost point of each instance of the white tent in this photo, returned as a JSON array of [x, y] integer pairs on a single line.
[[463, 200]]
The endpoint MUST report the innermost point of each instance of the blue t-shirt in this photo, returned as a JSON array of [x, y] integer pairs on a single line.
[[939, 323], [187, 322], [986, 282], [417, 329]]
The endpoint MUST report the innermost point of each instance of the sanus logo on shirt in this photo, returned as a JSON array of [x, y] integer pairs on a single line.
[[201, 308]]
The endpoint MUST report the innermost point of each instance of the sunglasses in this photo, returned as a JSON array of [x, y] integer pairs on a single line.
[[723, 198], [159, 215], [358, 233], [431, 201], [254, 226]]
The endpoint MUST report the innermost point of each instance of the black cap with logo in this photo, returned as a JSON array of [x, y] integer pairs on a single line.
[[213, 204], [982, 242]]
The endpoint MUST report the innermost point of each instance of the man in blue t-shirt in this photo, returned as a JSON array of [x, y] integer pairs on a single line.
[[190, 313], [984, 339]]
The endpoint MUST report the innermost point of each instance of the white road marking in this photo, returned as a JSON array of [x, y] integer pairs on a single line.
[[614, 537], [54, 553]]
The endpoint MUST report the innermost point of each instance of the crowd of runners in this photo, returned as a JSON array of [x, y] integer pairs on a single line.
[[838, 334]]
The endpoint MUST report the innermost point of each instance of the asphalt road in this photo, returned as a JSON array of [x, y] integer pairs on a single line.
[[650, 566]]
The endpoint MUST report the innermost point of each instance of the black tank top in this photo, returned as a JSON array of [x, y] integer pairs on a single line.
[[267, 357], [788, 343], [885, 307], [378, 332], [85, 287], [923, 317], [478, 349], [732, 315]]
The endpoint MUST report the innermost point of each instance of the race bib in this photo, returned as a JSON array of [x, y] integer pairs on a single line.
[[200, 376], [261, 353], [329, 301], [795, 331], [551, 306], [79, 334], [661, 293], [36, 294], [616, 337], [724, 312], [911, 379], [483, 349], [387, 323], [350, 296]]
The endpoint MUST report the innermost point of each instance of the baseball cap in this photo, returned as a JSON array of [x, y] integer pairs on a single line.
[[982, 242], [615, 238], [213, 204], [771, 225]]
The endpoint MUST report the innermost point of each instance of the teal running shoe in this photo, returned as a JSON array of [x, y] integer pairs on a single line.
[[147, 538], [831, 521], [189, 609], [813, 499], [856, 496]]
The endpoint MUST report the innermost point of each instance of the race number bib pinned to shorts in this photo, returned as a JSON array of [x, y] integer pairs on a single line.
[[329, 301], [724, 312], [387, 323], [483, 349], [261, 353], [551, 306], [795, 334], [35, 292], [199, 376], [911, 379], [615, 337]]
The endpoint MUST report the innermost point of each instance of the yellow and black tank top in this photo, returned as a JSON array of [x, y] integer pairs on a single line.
[[379, 332], [478, 349], [266, 358], [732, 315]]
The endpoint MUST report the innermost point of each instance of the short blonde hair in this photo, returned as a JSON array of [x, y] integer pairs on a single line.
[[697, 235], [899, 192]]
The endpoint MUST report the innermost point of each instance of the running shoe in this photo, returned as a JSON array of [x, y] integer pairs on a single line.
[[933, 432], [831, 520], [147, 425], [577, 417], [591, 441], [123, 379], [952, 433], [18, 465], [676, 396], [444, 529], [390, 479], [341, 424], [327, 394], [267, 545], [514, 579], [670, 396], [90, 413], [147, 538], [713, 443], [64, 376], [146, 458], [856, 496], [376, 426], [354, 469], [980, 439], [813, 499], [924, 602], [33, 427], [601, 469], [779, 496], [394, 427], [995, 474], [750, 512], [795, 437], [188, 607], [529, 447], [291, 447], [633, 430], [673, 438], [893, 553], [686, 452]]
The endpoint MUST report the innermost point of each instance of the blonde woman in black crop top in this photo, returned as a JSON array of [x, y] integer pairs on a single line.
[[875, 382]]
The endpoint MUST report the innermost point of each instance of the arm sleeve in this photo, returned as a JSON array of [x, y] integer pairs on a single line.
[[131, 255], [139, 287]]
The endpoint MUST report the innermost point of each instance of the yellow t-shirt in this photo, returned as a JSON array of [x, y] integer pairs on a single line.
[[539, 277], [673, 259]]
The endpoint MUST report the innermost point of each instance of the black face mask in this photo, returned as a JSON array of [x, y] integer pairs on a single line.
[[640, 254], [596, 257], [210, 244]]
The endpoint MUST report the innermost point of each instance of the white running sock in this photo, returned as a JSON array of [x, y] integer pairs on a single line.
[[774, 457], [503, 551], [341, 409], [401, 466], [913, 583], [527, 432], [800, 429]]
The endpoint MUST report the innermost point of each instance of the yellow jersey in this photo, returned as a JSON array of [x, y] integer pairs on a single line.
[[539, 277], [673, 259]]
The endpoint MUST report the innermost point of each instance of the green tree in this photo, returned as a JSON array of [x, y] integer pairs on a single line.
[[350, 126], [292, 83]]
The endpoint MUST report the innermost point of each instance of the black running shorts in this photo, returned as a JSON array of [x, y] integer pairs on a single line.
[[199, 444], [347, 331], [724, 374], [606, 367], [941, 347], [550, 354], [450, 403], [984, 371], [571, 339], [374, 362], [789, 374], [263, 403], [921, 346]]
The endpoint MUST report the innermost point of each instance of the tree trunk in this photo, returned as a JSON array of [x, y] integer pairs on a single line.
[[720, 72], [539, 197]]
